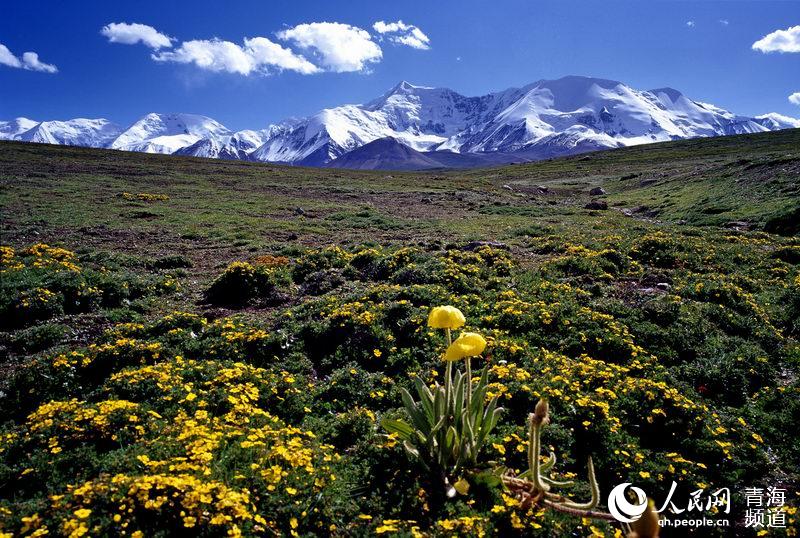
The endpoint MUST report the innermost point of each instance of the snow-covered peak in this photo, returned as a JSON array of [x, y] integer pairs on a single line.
[[167, 133], [667, 95], [774, 121], [10, 129], [94, 133]]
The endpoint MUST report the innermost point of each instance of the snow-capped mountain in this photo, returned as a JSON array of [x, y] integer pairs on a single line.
[[95, 133], [167, 133], [579, 112], [10, 130], [776, 122], [237, 146], [420, 117], [544, 119]]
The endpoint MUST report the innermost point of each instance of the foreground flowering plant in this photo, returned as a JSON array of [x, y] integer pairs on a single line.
[[450, 423]]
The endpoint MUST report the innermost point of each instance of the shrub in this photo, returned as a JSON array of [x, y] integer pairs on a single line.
[[38, 338], [657, 249], [42, 282], [242, 283]]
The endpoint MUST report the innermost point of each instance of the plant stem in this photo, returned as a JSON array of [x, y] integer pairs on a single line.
[[448, 380], [534, 441], [469, 382]]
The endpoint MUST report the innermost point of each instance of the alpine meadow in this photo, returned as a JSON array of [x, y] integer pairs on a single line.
[[213, 345], [570, 308]]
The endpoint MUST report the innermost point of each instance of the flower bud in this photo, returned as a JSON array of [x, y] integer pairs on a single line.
[[647, 525], [541, 413]]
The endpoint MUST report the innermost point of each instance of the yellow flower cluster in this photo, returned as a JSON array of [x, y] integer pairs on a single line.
[[39, 256], [143, 351], [9, 260], [356, 312], [79, 421], [206, 409]]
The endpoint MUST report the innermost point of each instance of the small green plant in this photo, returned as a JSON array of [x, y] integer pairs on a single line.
[[450, 423]]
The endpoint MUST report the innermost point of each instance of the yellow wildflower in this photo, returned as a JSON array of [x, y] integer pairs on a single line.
[[446, 317], [466, 345]]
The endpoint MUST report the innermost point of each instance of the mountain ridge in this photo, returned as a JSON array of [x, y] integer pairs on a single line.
[[546, 118]]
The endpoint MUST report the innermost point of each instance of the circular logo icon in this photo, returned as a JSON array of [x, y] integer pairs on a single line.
[[623, 510]]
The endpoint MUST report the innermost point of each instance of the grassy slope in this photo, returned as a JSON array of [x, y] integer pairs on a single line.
[[217, 212], [66, 189]]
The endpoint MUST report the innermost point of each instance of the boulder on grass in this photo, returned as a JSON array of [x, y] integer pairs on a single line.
[[597, 204]]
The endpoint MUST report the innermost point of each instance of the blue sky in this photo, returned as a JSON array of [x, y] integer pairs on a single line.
[[702, 48]]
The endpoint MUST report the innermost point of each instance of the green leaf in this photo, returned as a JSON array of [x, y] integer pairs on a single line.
[[459, 398], [399, 427], [417, 416], [425, 398], [411, 449]]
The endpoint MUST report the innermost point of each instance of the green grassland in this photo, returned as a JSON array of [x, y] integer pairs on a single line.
[[209, 347]]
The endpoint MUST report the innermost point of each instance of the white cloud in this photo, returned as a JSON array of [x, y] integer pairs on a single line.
[[131, 34], [29, 61], [780, 41], [690, 24], [403, 34], [795, 98], [8, 58], [339, 47], [724, 22], [258, 55]]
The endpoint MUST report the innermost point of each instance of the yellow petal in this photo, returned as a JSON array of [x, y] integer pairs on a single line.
[[466, 345], [462, 486], [446, 317]]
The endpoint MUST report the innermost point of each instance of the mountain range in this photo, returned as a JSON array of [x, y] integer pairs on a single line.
[[417, 127]]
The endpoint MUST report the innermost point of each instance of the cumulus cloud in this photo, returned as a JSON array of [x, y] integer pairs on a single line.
[[795, 98], [338, 47], [257, 55], [8, 58], [29, 61], [690, 24], [131, 34], [780, 41], [403, 34]]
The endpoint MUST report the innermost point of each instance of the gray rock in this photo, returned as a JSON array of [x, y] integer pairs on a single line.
[[597, 191], [646, 182], [738, 225], [597, 204]]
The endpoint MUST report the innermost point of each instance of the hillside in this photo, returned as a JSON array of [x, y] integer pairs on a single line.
[[222, 346]]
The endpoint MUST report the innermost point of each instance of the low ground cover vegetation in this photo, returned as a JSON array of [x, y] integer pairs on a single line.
[[252, 424]]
